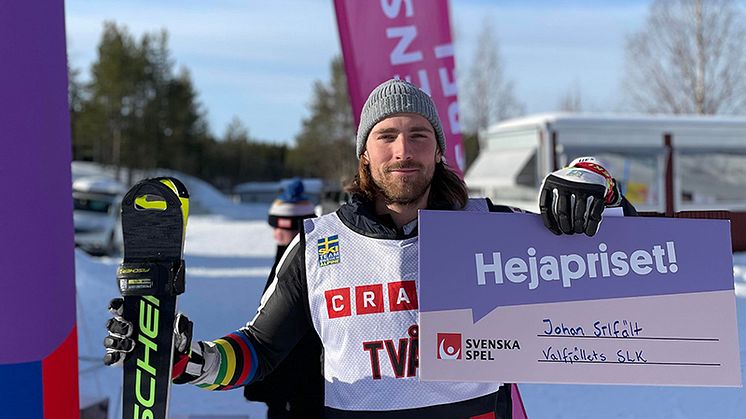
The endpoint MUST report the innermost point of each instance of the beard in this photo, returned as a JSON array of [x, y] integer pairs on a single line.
[[402, 190]]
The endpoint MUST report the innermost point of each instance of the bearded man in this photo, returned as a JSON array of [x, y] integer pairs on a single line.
[[352, 276]]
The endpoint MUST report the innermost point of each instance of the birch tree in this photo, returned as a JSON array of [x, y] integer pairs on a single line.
[[689, 58]]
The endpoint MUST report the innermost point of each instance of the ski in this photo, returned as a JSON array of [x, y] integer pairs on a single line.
[[151, 276]]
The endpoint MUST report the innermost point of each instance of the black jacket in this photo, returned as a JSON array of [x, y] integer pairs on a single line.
[[284, 318], [296, 386]]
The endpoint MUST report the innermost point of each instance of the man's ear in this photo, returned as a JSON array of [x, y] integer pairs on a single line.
[[364, 157], [438, 157]]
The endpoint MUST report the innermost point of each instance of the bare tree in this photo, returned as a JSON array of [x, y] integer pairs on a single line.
[[690, 57], [572, 100], [487, 96]]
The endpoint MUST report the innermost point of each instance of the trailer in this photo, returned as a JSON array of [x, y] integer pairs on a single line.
[[675, 166]]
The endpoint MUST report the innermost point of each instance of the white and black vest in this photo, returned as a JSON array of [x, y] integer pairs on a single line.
[[363, 299]]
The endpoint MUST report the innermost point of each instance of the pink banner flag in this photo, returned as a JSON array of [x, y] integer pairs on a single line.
[[408, 39]]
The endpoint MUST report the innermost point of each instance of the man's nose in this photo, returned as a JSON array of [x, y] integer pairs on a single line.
[[402, 148]]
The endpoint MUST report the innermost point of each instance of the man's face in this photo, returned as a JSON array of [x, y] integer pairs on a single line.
[[402, 151], [284, 237]]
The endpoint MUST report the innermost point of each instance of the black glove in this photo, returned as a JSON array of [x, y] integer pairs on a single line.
[[119, 342], [188, 360], [572, 199]]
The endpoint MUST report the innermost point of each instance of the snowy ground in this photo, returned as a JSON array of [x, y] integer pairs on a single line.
[[228, 258]]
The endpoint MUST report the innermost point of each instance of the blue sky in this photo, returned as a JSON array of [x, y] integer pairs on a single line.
[[257, 60]]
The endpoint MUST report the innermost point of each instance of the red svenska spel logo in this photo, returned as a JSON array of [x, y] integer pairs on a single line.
[[449, 345]]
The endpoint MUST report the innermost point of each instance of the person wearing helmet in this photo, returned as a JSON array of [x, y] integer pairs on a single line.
[[295, 389]]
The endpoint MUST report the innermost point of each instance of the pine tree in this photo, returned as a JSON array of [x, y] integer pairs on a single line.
[[325, 147], [134, 112]]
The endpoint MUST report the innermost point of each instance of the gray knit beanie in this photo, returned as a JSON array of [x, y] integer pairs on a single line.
[[394, 97]]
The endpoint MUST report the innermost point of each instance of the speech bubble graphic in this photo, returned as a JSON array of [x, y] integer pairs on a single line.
[[481, 261]]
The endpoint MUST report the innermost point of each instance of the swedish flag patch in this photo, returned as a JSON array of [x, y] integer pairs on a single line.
[[328, 249]]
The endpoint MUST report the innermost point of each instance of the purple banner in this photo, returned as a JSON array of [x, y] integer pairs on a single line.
[[36, 228], [39, 356], [492, 260]]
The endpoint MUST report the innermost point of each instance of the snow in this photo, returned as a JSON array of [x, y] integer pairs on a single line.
[[228, 256], [205, 199]]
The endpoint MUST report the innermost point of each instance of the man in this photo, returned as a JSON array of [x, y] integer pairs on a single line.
[[367, 245], [295, 388]]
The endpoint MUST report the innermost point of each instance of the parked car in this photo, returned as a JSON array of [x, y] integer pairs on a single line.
[[96, 214]]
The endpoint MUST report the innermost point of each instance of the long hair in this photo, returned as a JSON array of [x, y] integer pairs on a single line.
[[447, 190]]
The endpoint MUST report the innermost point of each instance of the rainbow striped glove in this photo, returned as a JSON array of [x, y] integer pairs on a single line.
[[188, 361]]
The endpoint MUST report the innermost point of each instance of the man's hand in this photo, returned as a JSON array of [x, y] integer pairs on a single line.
[[188, 361], [119, 342], [572, 199]]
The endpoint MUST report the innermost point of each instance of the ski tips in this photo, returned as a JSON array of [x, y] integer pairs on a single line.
[[150, 194]]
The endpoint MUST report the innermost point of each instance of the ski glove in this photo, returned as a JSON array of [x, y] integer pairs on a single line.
[[572, 199], [188, 361]]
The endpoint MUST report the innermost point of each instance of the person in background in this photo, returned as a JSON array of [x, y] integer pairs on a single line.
[[287, 214], [296, 388]]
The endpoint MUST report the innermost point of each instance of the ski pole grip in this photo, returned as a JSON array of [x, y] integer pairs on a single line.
[[151, 278]]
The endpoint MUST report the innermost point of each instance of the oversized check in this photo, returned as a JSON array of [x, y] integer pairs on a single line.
[[645, 301]]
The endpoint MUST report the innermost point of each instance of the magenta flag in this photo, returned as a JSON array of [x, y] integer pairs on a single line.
[[408, 39]]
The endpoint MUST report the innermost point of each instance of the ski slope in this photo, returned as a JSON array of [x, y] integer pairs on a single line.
[[228, 258]]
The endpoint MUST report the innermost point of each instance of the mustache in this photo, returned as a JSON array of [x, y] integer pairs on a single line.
[[403, 165]]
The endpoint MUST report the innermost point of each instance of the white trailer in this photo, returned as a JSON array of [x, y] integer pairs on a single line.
[[666, 164]]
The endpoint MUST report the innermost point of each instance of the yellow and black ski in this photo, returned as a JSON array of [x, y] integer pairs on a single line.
[[151, 276]]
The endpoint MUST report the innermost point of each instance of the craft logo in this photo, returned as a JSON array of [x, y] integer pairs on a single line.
[[449, 345], [328, 250]]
